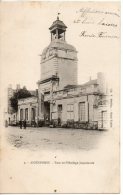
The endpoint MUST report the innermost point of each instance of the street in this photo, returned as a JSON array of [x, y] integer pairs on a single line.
[[57, 155], [54, 138]]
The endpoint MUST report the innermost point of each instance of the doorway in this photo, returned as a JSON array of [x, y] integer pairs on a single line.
[[59, 114], [47, 113]]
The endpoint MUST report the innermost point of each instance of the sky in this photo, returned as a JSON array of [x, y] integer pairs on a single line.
[[25, 33]]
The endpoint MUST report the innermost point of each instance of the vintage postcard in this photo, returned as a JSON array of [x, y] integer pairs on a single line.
[[60, 81]]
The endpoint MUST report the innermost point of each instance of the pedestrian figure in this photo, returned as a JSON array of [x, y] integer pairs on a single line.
[[20, 123], [24, 124]]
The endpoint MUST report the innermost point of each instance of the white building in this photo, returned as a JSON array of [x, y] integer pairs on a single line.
[[61, 101]]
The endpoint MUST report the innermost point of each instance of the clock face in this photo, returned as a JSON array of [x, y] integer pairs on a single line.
[[62, 53], [49, 53]]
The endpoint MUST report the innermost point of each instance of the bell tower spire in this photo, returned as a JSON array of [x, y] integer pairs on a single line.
[[58, 16], [58, 29]]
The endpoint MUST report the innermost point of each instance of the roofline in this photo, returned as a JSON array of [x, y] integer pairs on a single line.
[[28, 98], [48, 79], [57, 24]]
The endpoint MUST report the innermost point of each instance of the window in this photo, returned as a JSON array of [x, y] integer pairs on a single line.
[[82, 111], [21, 114], [26, 114], [60, 108], [70, 113], [60, 112], [33, 114]]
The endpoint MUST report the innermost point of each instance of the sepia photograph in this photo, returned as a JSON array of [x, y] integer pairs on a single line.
[[60, 86]]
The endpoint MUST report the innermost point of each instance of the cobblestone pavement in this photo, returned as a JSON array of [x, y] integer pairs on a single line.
[[54, 138]]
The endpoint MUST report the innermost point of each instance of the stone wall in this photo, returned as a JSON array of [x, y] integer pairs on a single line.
[[67, 72]]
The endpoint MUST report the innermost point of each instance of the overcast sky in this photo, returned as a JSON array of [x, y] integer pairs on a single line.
[[25, 33]]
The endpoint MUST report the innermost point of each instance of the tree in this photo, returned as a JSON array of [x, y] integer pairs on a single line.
[[21, 93]]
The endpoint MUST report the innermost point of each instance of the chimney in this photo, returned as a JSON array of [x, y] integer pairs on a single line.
[[101, 80]]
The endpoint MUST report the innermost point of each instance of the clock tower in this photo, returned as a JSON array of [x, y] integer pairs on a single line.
[[58, 63]]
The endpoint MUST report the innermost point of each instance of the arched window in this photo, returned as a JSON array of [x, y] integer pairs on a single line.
[[21, 114]]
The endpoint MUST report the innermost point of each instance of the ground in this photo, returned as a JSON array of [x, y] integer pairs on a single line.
[[54, 138]]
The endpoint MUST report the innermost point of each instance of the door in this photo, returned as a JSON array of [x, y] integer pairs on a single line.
[[59, 114], [33, 114]]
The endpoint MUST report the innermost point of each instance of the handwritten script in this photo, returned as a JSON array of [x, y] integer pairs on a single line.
[[98, 23]]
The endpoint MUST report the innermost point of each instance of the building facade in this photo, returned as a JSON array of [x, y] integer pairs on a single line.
[[28, 110], [14, 117], [61, 101], [58, 68]]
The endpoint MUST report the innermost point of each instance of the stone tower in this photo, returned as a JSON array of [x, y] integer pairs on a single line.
[[59, 58], [58, 63]]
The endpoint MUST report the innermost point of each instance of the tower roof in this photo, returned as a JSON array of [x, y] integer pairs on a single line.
[[58, 44], [58, 24]]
